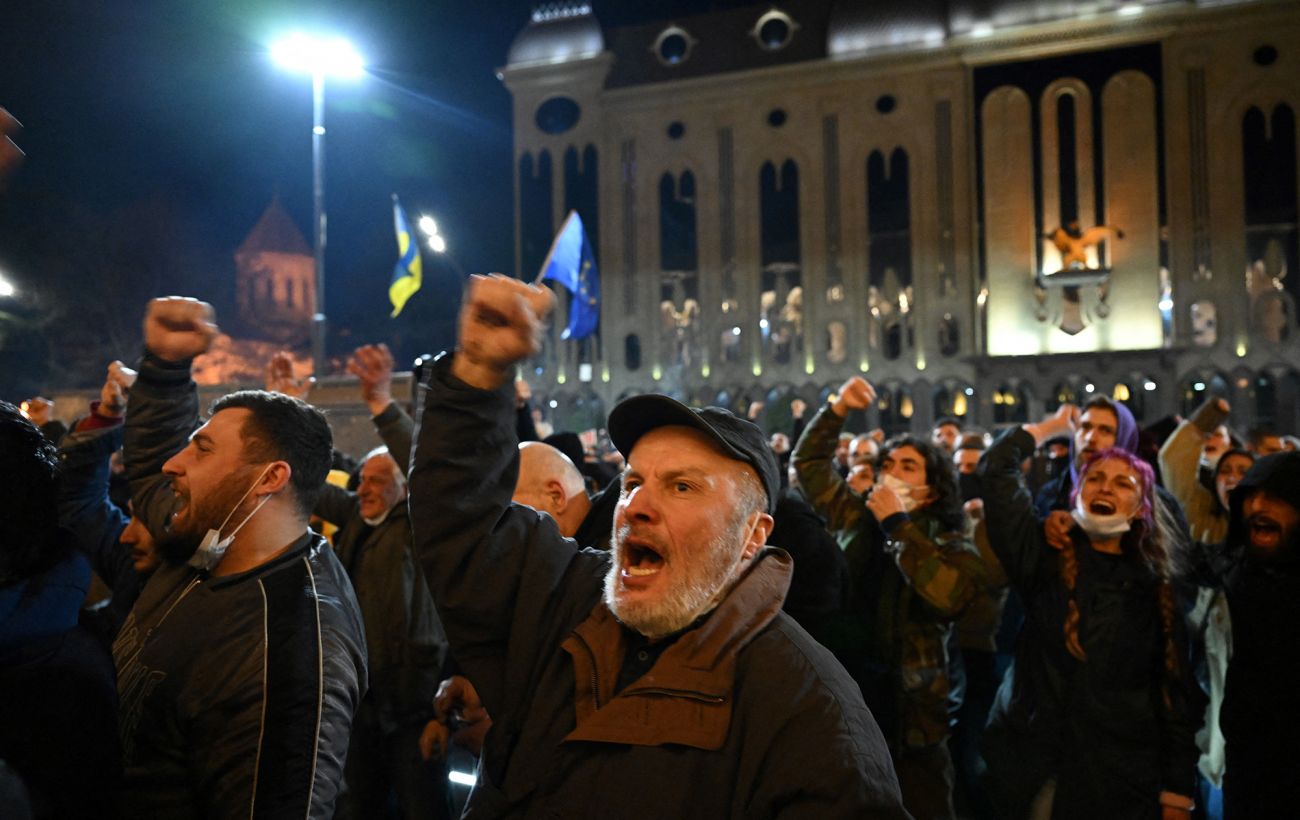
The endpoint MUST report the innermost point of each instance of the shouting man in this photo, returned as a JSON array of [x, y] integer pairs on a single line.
[[657, 679]]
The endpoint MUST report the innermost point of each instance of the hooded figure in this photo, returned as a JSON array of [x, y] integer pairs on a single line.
[[1055, 494], [1260, 708]]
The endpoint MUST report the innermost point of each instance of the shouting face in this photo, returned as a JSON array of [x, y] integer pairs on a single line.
[[1111, 487], [688, 521], [1271, 523], [210, 476]]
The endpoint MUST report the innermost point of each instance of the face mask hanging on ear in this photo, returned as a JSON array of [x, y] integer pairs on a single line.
[[213, 547], [1099, 526]]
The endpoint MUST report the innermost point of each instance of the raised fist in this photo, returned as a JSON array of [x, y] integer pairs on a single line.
[[855, 394], [117, 383], [500, 325], [178, 328]]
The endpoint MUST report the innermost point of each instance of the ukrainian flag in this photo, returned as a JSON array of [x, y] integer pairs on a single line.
[[572, 264], [408, 274]]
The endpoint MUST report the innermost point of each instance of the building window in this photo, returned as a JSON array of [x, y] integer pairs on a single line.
[[949, 337], [557, 115], [774, 30], [632, 351], [673, 46], [537, 226], [889, 252], [1272, 218], [781, 298]]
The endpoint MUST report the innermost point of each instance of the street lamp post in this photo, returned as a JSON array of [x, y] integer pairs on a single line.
[[318, 57]]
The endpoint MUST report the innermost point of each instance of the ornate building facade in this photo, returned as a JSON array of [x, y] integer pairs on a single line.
[[986, 207]]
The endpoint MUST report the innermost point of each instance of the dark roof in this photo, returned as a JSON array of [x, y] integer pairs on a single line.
[[722, 41], [275, 232]]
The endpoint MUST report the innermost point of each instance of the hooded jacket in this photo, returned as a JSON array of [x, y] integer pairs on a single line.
[[744, 716], [1260, 708]]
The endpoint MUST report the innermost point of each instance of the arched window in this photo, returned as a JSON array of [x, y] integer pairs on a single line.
[[1010, 404], [1062, 393], [535, 211], [889, 251], [949, 337], [781, 296], [1271, 209]]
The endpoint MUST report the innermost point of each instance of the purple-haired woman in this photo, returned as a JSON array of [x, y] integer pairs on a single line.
[[1097, 716]]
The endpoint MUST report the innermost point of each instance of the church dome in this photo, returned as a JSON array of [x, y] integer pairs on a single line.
[[558, 32]]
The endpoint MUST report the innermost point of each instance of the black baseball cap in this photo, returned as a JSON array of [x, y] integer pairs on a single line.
[[737, 438]]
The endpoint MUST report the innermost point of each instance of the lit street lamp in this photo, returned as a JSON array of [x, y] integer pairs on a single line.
[[7, 288], [437, 242], [319, 57]]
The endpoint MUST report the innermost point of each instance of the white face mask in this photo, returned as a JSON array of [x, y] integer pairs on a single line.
[[901, 489], [1099, 526], [213, 547]]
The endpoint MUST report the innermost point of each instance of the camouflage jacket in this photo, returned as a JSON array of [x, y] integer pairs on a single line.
[[906, 589]]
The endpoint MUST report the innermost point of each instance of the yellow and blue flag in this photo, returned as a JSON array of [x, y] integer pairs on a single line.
[[572, 264], [408, 275]]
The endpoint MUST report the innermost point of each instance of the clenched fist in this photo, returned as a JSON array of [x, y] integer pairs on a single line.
[[500, 324], [178, 328]]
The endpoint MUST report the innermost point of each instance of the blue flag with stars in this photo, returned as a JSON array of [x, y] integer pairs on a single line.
[[572, 264]]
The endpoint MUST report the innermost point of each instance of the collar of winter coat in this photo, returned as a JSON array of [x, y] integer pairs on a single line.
[[686, 697]]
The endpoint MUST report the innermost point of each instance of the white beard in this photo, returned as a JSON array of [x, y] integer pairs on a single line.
[[700, 587]]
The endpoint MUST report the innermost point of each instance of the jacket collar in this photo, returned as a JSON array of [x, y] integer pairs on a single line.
[[686, 697]]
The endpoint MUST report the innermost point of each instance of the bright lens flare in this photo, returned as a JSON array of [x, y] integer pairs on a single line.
[[332, 56]]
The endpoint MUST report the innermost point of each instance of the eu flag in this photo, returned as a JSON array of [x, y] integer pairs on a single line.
[[409, 273], [572, 264]]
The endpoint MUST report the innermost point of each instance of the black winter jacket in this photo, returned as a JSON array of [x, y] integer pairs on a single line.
[[1100, 727], [237, 693], [405, 643], [511, 591]]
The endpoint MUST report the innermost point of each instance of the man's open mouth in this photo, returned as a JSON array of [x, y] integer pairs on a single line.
[[641, 559], [1264, 532]]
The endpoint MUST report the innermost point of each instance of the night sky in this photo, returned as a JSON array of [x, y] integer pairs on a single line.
[[157, 131]]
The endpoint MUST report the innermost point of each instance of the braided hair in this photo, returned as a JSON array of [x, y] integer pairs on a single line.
[[1152, 537]]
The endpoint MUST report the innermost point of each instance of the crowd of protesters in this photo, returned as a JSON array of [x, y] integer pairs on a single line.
[[706, 620]]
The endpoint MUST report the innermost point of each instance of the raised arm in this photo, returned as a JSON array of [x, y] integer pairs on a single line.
[[814, 454], [1016, 534], [1180, 457], [84, 505], [494, 568], [164, 407]]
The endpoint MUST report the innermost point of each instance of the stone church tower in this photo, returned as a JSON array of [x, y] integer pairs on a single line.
[[275, 286]]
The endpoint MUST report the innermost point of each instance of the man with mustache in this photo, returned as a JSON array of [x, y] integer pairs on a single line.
[[658, 679], [239, 671]]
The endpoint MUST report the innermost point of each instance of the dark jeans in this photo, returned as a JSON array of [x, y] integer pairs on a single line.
[[386, 778]]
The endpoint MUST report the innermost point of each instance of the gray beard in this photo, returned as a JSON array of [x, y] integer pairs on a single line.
[[690, 597]]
